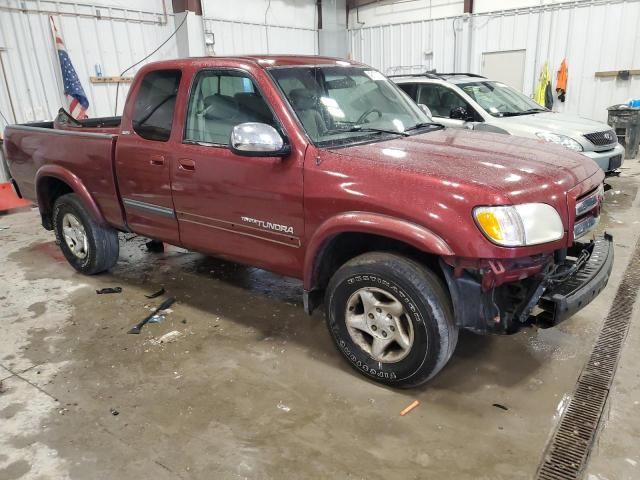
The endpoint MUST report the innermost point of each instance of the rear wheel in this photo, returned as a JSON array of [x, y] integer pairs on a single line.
[[391, 318], [89, 247]]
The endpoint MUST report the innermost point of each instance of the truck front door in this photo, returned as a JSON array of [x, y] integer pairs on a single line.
[[142, 165], [245, 208]]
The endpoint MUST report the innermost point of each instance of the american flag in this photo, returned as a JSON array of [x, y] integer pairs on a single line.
[[78, 102]]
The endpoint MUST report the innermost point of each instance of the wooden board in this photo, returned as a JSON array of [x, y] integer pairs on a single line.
[[614, 73], [111, 79]]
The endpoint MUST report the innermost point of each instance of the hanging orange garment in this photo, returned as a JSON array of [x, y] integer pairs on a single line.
[[561, 80]]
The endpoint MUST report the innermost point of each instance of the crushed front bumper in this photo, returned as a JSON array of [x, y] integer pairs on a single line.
[[545, 299], [561, 300]]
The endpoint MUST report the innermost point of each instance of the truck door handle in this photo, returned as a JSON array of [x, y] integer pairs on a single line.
[[186, 164], [156, 160]]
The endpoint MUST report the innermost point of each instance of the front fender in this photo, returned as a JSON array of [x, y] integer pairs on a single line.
[[74, 182], [373, 223]]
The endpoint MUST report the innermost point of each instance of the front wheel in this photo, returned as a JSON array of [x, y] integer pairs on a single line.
[[89, 247], [391, 318]]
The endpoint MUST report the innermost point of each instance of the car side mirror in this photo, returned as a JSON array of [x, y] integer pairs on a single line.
[[254, 139], [460, 113], [425, 109]]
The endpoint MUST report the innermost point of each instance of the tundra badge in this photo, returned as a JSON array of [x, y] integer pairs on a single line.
[[276, 227]]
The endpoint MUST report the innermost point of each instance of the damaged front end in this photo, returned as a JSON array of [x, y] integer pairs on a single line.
[[502, 296]]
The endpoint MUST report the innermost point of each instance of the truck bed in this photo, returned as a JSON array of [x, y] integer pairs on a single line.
[[78, 155], [64, 121]]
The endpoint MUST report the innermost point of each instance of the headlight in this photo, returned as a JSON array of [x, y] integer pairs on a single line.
[[560, 140], [520, 225]]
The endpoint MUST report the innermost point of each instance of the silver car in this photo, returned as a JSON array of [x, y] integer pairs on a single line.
[[465, 100]]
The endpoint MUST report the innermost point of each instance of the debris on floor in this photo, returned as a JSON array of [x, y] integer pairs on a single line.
[[103, 291], [498, 405], [163, 306], [157, 318], [410, 407], [156, 294], [114, 412], [1, 388], [283, 407], [172, 336]]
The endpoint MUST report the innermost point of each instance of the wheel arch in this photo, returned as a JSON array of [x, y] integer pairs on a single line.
[[348, 235], [53, 181]]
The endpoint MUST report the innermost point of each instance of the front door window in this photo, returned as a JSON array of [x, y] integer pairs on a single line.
[[220, 101]]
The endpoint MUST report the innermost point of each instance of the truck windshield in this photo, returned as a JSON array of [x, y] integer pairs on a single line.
[[501, 100], [338, 105]]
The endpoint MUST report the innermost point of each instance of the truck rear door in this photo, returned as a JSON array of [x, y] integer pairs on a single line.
[[143, 167], [245, 208]]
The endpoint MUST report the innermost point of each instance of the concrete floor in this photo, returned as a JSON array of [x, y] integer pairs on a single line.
[[253, 388]]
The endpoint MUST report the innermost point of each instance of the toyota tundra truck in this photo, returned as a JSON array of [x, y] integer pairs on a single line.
[[324, 170]]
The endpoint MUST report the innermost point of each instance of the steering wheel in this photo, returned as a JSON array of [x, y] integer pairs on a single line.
[[364, 116]]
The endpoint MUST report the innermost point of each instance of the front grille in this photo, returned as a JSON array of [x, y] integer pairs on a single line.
[[587, 212], [602, 138], [584, 226], [588, 202]]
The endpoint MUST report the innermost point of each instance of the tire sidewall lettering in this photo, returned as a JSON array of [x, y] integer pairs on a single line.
[[360, 359]]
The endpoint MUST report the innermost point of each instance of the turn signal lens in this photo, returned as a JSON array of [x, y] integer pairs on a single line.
[[489, 223]]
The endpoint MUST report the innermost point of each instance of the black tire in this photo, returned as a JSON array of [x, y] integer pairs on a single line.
[[102, 242], [426, 305]]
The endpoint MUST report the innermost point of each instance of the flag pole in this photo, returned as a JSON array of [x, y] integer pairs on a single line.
[[57, 71]]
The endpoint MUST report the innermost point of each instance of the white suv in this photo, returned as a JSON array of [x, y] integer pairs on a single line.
[[465, 100]]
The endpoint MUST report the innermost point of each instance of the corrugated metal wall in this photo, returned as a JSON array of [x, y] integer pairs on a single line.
[[592, 35], [112, 37], [237, 38]]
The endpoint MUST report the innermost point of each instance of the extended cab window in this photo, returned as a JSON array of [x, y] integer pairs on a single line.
[[155, 105], [221, 100], [440, 99]]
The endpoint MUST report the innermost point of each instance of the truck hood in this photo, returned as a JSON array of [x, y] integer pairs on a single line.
[[563, 124], [514, 169]]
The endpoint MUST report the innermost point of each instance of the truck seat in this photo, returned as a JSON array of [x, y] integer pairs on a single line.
[[221, 114], [253, 108], [305, 103]]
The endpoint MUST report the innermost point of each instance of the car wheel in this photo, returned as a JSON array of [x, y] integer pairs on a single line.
[[89, 247], [391, 318]]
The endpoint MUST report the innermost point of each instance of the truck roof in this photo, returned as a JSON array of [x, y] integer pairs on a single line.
[[263, 61]]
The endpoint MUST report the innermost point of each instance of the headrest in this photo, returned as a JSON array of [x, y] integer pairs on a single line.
[[252, 103], [303, 99], [219, 107]]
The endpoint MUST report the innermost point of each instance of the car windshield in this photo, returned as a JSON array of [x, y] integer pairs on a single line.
[[338, 105], [501, 100]]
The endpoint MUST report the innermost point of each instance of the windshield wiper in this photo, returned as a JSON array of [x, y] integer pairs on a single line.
[[524, 112], [362, 128], [424, 124]]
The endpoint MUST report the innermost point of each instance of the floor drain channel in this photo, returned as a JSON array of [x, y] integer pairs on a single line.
[[568, 450]]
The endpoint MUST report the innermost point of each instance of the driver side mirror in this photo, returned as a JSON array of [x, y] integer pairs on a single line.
[[254, 139], [460, 113], [425, 109]]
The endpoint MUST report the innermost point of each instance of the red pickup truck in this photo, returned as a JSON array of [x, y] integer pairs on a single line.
[[322, 169]]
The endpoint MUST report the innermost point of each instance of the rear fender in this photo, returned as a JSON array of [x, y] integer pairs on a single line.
[[45, 202], [363, 222]]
